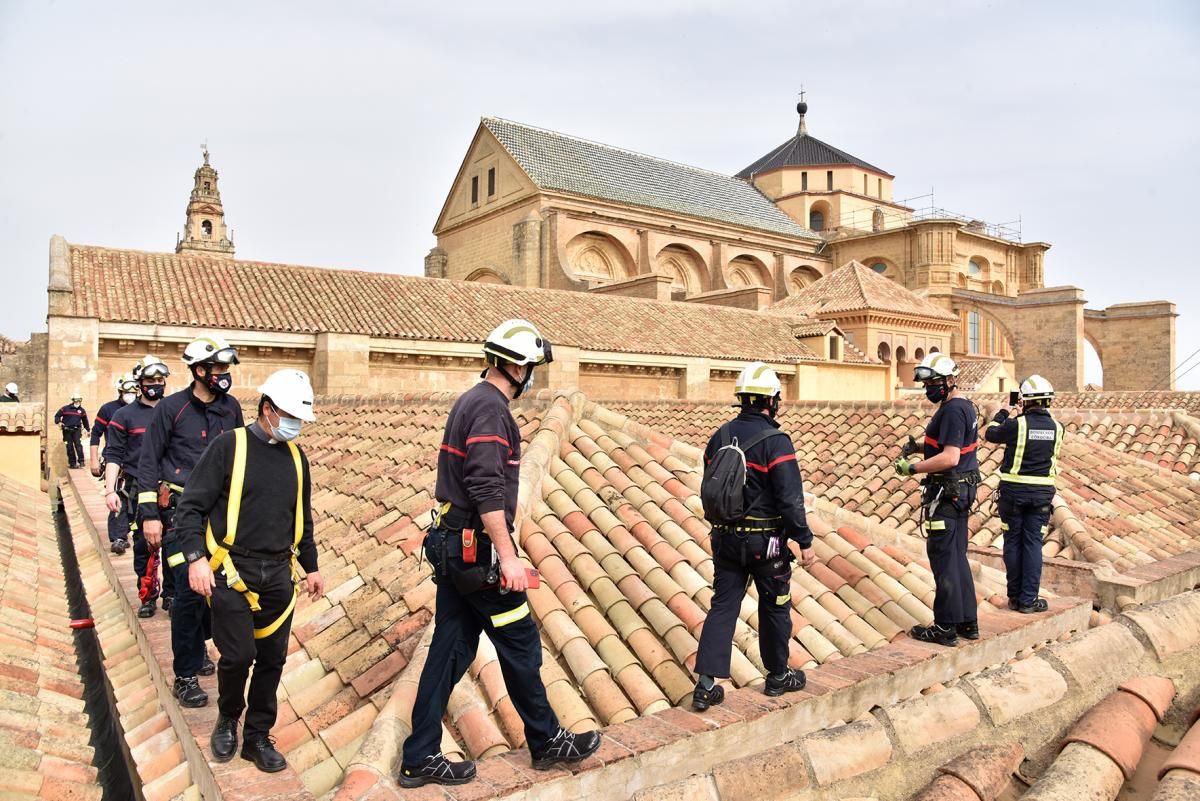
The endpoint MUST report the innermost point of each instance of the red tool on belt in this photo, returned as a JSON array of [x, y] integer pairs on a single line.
[[470, 545], [148, 584]]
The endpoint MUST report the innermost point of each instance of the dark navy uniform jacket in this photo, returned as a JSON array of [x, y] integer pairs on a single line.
[[955, 425], [71, 417], [774, 488], [179, 431], [1032, 441], [479, 463], [103, 418], [123, 443]]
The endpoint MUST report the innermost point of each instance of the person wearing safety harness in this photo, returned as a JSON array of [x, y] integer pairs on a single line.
[[11, 394], [1031, 440], [182, 427], [118, 521], [755, 546], [245, 524], [122, 452], [481, 582], [951, 466], [73, 419]]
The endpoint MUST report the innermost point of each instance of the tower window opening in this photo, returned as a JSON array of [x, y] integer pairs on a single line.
[[879, 188], [474, 189], [206, 229], [816, 220], [864, 184], [804, 181], [974, 268], [491, 181], [973, 332], [207, 186], [829, 180]]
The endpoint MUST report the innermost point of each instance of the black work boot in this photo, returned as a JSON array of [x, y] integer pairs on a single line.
[[207, 668], [187, 690], [702, 699], [790, 682], [224, 739], [146, 609], [260, 749], [119, 547], [968, 631], [435, 769], [566, 747], [935, 634], [166, 602], [1038, 605], [1013, 604]]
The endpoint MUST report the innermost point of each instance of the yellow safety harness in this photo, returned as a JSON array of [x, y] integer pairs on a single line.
[[1014, 473], [220, 558]]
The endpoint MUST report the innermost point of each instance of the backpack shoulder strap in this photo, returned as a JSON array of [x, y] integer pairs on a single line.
[[725, 436], [760, 436]]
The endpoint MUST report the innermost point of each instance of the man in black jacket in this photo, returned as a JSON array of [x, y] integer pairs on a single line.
[[118, 521], [1028, 471], [73, 420], [122, 453], [480, 581], [951, 465], [253, 540], [183, 426], [755, 547]]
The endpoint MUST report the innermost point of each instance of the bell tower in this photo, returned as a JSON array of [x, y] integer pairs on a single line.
[[204, 232]]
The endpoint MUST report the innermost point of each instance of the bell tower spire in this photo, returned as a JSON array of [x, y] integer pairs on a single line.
[[204, 232]]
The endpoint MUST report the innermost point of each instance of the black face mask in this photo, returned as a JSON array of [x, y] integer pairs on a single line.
[[937, 392], [154, 391], [219, 383]]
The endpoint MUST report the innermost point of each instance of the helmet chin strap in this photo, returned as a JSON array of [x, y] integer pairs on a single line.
[[519, 386]]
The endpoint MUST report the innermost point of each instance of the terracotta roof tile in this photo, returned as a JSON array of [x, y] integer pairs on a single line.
[[854, 287], [16, 418], [407, 307]]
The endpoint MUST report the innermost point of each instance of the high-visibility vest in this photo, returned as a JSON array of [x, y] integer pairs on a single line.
[[1014, 474], [220, 558]]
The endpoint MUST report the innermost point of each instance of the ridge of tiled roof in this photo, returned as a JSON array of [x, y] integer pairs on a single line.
[[803, 150], [855, 287], [565, 163], [973, 371], [16, 418], [316, 299], [44, 726], [1127, 400]]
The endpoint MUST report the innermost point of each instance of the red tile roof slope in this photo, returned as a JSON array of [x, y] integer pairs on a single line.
[[44, 728], [1127, 401], [1112, 508], [973, 372], [614, 527], [313, 299], [21, 418], [855, 287]]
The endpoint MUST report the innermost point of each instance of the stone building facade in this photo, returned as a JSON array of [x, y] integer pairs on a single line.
[[532, 207]]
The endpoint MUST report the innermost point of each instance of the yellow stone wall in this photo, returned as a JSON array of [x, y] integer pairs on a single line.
[[21, 456]]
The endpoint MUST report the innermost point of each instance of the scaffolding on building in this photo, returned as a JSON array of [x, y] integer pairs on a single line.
[[886, 218]]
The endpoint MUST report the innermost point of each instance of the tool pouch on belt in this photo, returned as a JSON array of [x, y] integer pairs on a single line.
[[748, 551], [444, 549]]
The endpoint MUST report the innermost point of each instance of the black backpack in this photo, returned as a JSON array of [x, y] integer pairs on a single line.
[[721, 490]]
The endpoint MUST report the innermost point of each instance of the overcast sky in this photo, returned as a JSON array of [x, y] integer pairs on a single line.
[[337, 127]]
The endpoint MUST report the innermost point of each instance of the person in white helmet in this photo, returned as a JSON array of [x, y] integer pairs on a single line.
[[73, 421], [951, 469], [183, 425], [481, 582], [1028, 471], [122, 453], [246, 529], [749, 542], [11, 394]]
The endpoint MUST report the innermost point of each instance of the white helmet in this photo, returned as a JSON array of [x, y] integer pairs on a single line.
[[935, 365], [517, 342], [150, 366], [1036, 388], [757, 379], [213, 348], [10, 388], [291, 391], [126, 384]]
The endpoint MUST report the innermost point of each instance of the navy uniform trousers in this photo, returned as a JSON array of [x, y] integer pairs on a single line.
[[1024, 519], [733, 568], [946, 546], [458, 622], [191, 622]]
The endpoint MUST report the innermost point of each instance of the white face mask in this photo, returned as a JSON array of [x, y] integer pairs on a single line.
[[285, 429], [128, 397]]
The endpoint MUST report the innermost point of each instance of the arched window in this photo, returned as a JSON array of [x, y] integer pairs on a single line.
[[974, 267], [884, 352], [206, 229], [207, 186], [816, 220], [919, 354], [901, 354], [879, 267]]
